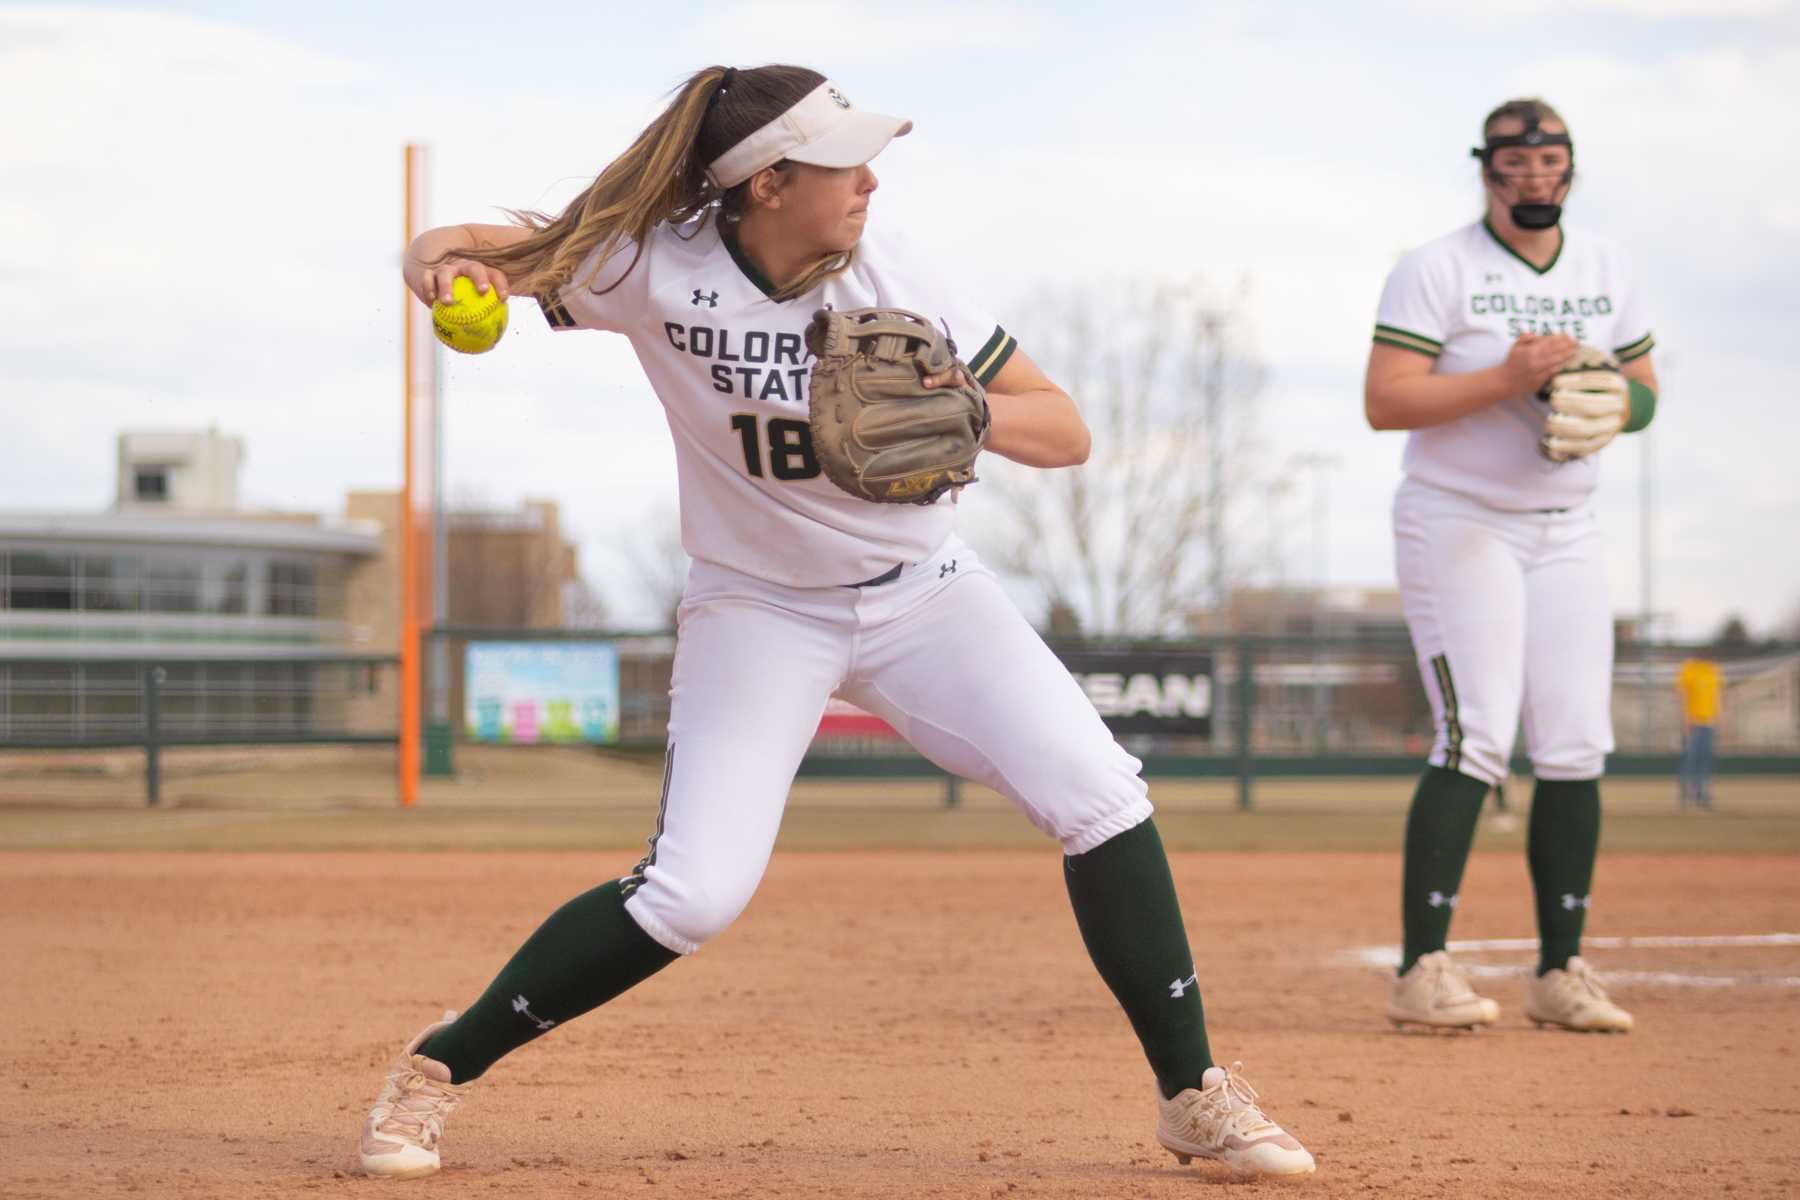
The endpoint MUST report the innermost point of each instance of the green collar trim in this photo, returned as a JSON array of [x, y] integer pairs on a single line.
[[1562, 240], [746, 266]]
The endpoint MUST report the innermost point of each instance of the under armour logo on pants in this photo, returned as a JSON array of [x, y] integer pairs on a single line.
[[1439, 900], [1178, 988], [1573, 902]]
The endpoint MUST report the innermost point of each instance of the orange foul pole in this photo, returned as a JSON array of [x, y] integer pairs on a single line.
[[411, 691]]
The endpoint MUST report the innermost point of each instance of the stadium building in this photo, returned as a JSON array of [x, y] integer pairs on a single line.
[[253, 616]]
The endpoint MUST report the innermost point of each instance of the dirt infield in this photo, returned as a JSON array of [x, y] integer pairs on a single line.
[[889, 1024]]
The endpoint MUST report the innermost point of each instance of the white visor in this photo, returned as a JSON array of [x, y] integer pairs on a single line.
[[822, 129]]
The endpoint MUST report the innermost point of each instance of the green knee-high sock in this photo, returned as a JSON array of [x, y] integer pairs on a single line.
[[1561, 844], [588, 951], [1124, 900], [1439, 831]]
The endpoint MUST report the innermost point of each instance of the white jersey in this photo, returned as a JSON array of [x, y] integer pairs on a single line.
[[731, 367], [1462, 300]]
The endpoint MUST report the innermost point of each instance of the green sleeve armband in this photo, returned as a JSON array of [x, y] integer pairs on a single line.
[[1643, 407]]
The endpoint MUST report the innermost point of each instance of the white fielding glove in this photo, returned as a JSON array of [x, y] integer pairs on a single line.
[[1589, 403]]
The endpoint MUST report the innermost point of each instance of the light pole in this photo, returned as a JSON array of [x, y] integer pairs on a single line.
[[1319, 464], [1647, 573]]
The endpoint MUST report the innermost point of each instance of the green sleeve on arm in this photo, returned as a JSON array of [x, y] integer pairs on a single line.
[[986, 362], [1643, 407]]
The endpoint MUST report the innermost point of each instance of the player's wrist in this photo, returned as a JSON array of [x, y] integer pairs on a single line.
[[434, 244], [1509, 379]]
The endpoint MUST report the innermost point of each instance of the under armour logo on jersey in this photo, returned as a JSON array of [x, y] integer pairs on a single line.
[[1439, 900], [710, 299], [522, 1005], [948, 568], [1572, 902], [1495, 277], [1179, 987], [838, 98]]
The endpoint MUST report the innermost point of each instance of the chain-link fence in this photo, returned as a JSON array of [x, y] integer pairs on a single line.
[[1234, 707], [67, 703], [1330, 705]]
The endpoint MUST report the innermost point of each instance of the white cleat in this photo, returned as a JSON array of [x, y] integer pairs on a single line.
[[1574, 999], [400, 1138], [1435, 992], [1220, 1120]]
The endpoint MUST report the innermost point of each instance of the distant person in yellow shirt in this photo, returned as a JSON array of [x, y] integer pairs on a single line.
[[1699, 683]]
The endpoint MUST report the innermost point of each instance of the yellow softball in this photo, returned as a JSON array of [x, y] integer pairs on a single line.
[[470, 322]]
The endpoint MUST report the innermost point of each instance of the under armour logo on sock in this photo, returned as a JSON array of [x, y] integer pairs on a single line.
[[948, 568], [1572, 902], [522, 1005], [1439, 900], [710, 299], [1178, 988]]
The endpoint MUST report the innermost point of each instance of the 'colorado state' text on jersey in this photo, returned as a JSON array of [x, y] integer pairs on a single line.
[[1462, 300], [731, 367]]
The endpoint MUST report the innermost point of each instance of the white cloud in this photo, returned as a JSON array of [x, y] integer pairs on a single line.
[[206, 217], [860, 31], [1454, 12]]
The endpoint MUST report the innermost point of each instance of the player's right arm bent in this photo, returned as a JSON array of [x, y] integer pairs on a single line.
[[1034, 421], [1400, 390]]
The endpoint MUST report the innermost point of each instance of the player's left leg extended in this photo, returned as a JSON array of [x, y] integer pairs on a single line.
[[751, 676], [1567, 718], [957, 669]]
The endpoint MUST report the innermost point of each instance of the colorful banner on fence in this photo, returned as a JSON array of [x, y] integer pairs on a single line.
[[528, 692]]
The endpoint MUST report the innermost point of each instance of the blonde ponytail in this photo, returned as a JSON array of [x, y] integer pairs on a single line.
[[660, 178]]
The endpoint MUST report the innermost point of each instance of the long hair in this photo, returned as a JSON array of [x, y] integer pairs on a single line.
[[660, 178]]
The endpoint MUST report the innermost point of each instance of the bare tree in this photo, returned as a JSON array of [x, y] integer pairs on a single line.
[[655, 562], [1732, 634], [1789, 629], [511, 567], [1143, 534], [582, 606]]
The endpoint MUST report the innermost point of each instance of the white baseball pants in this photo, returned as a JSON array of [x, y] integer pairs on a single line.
[[940, 653], [1510, 619]]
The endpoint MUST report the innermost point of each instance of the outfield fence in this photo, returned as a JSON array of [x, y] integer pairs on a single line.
[[1246, 706], [158, 703], [1277, 706]]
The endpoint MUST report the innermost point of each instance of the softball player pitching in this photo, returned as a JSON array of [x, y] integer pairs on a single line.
[[1513, 349], [710, 243]]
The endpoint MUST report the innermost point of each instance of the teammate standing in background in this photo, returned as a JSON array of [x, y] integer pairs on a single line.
[[710, 243], [1700, 686], [1498, 553]]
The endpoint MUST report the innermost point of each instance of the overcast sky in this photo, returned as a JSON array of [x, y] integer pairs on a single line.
[[200, 209]]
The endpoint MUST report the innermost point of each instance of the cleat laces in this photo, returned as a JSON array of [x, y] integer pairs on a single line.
[[1236, 1108], [420, 1106], [1448, 984], [1583, 984]]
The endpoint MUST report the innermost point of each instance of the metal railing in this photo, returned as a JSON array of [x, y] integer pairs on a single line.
[[1280, 706], [1305, 706], [158, 703]]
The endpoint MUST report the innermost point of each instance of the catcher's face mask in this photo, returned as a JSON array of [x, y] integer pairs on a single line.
[[1527, 214], [823, 128]]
